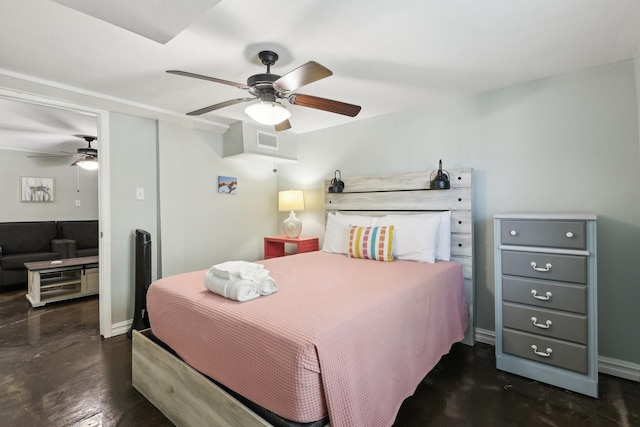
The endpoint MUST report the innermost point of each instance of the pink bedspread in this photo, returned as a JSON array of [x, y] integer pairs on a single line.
[[348, 337]]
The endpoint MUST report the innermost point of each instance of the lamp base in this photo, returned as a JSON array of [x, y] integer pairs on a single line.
[[292, 226]]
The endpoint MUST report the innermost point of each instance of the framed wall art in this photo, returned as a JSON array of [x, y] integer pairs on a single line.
[[36, 189], [227, 184]]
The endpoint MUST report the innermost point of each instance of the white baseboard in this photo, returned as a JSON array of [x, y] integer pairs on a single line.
[[486, 336], [121, 327], [606, 365], [619, 368]]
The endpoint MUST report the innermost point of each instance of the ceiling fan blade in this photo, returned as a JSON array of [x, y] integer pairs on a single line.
[[303, 75], [325, 104], [48, 155], [211, 79], [218, 106], [282, 126]]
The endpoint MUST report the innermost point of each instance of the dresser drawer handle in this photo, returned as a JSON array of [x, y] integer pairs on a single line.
[[546, 268], [513, 232], [547, 296], [541, 353], [546, 325], [569, 234]]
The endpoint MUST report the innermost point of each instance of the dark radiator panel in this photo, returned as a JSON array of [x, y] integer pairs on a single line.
[[142, 280]]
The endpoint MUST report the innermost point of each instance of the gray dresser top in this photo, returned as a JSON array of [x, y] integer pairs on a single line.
[[567, 216]]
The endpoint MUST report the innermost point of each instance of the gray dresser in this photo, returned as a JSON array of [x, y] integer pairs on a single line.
[[546, 298]]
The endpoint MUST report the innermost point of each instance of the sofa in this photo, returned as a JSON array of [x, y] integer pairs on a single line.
[[22, 242]]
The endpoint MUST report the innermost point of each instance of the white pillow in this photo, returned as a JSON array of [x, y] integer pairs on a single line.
[[416, 236], [443, 251], [336, 235]]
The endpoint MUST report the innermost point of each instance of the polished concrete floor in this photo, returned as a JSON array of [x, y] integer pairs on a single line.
[[55, 370]]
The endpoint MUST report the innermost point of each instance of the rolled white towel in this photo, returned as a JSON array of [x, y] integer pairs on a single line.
[[235, 288], [256, 274], [268, 286], [228, 268]]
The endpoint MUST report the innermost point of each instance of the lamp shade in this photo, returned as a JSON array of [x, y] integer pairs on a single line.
[[86, 162], [268, 112], [291, 200]]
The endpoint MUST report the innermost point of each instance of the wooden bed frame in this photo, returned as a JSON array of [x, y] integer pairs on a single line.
[[189, 398]]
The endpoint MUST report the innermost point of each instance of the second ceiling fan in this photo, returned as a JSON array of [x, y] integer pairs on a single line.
[[268, 88]]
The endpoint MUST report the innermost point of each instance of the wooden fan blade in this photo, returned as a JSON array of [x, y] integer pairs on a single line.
[[282, 126], [218, 106], [303, 75], [325, 104], [211, 79]]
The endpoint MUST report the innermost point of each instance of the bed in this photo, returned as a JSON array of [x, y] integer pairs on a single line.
[[326, 345]]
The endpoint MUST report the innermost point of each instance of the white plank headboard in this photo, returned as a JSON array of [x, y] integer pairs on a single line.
[[411, 193]]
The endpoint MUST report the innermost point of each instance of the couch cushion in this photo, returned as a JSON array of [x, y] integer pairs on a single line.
[[87, 252], [16, 262], [21, 237], [85, 233]]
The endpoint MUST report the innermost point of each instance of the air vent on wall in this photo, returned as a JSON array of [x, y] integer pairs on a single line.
[[267, 140], [249, 141]]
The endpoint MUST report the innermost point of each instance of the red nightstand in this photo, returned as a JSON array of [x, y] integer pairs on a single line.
[[274, 246]]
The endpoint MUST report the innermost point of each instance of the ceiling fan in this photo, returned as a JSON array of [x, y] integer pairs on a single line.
[[268, 88], [87, 157]]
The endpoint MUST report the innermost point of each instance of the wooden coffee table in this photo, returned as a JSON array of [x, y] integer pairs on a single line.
[[59, 280]]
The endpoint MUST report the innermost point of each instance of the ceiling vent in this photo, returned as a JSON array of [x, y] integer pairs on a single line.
[[267, 140], [249, 141]]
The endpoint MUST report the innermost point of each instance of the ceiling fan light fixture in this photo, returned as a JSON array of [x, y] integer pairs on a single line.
[[268, 112], [268, 88], [87, 162]]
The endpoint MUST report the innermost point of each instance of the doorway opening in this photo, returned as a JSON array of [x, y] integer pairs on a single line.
[[56, 125]]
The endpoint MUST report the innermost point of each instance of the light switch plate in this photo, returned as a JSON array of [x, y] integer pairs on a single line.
[[139, 193]]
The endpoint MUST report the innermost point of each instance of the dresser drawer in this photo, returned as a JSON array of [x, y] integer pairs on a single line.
[[542, 293], [548, 234], [562, 268], [547, 350], [549, 323]]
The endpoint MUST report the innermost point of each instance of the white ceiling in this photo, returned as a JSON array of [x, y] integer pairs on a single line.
[[386, 55]]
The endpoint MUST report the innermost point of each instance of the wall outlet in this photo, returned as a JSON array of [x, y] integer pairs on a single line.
[[139, 193], [77, 203]]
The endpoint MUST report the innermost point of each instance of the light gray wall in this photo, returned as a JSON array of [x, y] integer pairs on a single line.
[[133, 155], [14, 164], [567, 143], [636, 65], [562, 144], [199, 226]]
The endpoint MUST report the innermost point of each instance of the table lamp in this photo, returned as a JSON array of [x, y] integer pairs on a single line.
[[291, 200]]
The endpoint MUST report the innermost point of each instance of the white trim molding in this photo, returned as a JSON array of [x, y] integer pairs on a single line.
[[619, 368], [121, 327], [486, 336]]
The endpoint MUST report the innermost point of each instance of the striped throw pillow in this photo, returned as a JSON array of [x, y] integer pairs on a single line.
[[371, 242]]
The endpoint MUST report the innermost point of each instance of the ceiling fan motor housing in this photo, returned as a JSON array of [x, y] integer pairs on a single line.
[[262, 80], [88, 151], [262, 84]]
